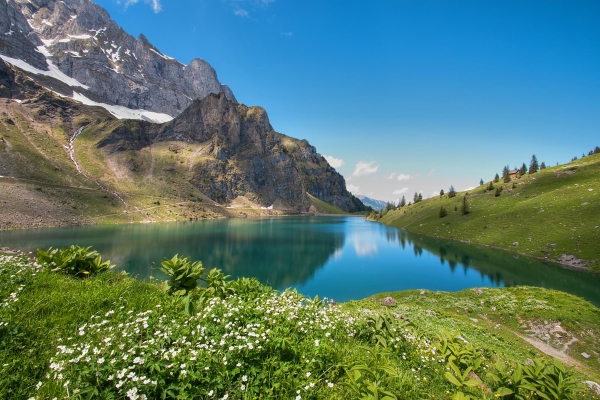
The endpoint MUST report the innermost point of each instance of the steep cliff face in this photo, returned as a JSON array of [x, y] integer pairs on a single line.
[[241, 155], [81, 41]]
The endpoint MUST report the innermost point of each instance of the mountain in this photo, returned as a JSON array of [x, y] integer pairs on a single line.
[[73, 48], [97, 126], [377, 205]]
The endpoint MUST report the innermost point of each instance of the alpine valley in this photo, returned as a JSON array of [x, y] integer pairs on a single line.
[[99, 127]]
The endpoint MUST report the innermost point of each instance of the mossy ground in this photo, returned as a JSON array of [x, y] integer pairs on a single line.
[[548, 215]]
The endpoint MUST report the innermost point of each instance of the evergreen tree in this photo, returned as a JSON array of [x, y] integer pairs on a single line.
[[465, 206], [597, 150], [523, 169], [496, 179], [420, 197], [390, 206], [481, 182], [451, 192], [498, 191], [506, 174], [542, 166], [442, 193], [490, 186], [402, 202], [533, 165], [443, 212], [416, 198]]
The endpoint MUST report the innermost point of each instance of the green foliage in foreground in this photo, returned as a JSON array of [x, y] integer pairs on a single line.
[[112, 337], [74, 260]]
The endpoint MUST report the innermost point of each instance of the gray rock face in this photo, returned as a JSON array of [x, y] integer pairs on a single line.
[[79, 37], [242, 155]]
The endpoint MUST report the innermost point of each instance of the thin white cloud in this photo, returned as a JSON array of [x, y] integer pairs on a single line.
[[364, 168], [352, 188], [155, 4], [403, 177], [400, 191], [391, 176], [334, 162], [287, 34], [431, 171], [240, 12]]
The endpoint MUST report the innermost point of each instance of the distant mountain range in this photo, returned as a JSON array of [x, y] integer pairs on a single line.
[[64, 59], [376, 205]]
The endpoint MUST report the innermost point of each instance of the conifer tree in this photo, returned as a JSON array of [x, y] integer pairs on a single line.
[[481, 182], [416, 198], [442, 193], [490, 186], [597, 150], [506, 174], [443, 212], [498, 191], [542, 166], [496, 179], [451, 192], [533, 165], [465, 206], [523, 169], [420, 197], [402, 202]]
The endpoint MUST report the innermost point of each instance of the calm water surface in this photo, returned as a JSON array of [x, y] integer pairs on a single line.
[[342, 258]]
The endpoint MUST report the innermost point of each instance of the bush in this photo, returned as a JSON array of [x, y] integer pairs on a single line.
[[498, 191], [443, 212], [75, 260], [182, 272]]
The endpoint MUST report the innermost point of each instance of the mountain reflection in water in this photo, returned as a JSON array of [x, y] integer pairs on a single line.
[[337, 257]]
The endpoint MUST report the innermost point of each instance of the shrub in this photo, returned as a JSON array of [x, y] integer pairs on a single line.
[[498, 191], [182, 272], [443, 212], [75, 260]]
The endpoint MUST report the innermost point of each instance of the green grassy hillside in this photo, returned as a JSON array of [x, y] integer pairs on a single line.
[[322, 207], [553, 214]]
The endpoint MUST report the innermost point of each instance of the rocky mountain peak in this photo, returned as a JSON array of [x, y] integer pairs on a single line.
[[82, 42]]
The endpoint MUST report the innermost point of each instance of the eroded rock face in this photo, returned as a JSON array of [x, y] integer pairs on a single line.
[[241, 156], [79, 37]]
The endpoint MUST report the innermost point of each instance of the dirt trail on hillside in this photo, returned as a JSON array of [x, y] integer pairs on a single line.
[[551, 351]]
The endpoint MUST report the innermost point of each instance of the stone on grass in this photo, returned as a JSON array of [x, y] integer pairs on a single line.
[[388, 301]]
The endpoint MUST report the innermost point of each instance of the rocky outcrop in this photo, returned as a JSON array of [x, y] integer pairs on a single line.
[[79, 38], [241, 156]]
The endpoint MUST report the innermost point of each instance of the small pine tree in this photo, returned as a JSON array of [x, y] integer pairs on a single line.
[[498, 191], [523, 169], [490, 186], [389, 206], [506, 174], [481, 182], [597, 150], [542, 166], [574, 158], [451, 192], [402, 202], [496, 179], [416, 198], [443, 212], [464, 209], [533, 165], [441, 193], [420, 197]]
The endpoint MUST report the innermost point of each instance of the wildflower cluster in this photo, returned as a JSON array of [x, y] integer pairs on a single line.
[[233, 347], [15, 273]]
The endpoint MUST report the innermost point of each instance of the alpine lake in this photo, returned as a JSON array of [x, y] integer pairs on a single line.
[[341, 258]]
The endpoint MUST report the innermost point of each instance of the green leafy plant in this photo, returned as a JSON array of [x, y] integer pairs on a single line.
[[368, 380], [217, 285], [183, 273], [74, 260]]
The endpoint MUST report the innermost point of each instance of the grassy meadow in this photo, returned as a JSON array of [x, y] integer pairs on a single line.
[[109, 336], [553, 215]]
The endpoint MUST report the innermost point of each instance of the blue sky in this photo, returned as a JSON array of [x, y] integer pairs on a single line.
[[411, 95]]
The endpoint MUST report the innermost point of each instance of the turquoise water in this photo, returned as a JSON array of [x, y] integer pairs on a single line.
[[342, 258]]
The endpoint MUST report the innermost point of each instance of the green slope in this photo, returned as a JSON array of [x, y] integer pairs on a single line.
[[553, 215], [323, 207]]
